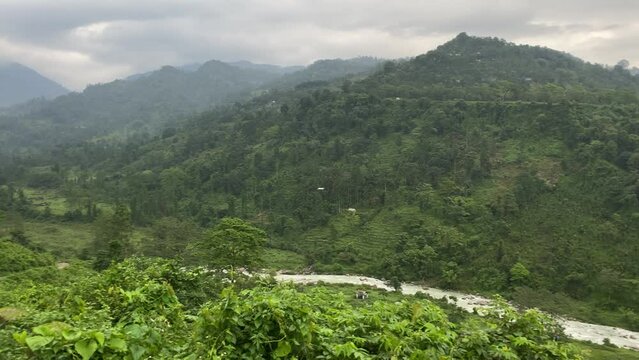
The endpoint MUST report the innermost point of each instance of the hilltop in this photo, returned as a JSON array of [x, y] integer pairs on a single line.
[[19, 83]]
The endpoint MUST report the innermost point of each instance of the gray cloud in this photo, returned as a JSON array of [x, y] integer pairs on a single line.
[[80, 42]]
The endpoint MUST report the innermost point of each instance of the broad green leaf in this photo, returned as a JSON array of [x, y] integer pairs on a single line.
[[135, 331], [117, 344], [137, 351], [283, 349], [38, 342], [86, 348], [20, 338], [44, 330], [71, 335], [53, 328], [99, 337]]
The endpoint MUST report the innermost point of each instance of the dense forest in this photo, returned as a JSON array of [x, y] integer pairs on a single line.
[[481, 166]]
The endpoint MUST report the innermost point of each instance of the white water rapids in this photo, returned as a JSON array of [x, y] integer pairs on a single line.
[[574, 329]]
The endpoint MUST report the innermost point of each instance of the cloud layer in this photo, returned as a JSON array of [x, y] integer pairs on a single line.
[[81, 42]]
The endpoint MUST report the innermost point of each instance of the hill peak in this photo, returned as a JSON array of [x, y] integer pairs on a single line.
[[214, 65], [467, 59], [468, 44], [19, 83]]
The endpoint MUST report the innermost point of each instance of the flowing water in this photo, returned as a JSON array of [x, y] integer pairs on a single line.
[[574, 329]]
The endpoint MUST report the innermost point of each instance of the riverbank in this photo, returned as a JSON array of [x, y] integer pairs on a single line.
[[574, 329]]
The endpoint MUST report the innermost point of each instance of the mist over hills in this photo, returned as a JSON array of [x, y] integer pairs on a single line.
[[19, 83], [146, 103], [329, 69], [267, 67]]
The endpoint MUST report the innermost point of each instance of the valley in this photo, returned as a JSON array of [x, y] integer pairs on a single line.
[[479, 168]]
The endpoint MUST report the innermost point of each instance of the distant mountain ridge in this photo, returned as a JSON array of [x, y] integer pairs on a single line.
[[19, 83], [330, 69], [277, 69], [149, 102], [155, 97]]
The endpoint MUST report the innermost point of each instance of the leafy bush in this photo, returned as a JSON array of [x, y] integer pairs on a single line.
[[282, 322], [141, 308], [14, 258]]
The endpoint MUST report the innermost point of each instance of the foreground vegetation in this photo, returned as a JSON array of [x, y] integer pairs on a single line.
[[156, 308]]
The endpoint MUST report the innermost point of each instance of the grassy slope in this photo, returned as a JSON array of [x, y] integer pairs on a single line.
[[56, 202], [276, 259], [67, 240], [43, 198], [600, 352]]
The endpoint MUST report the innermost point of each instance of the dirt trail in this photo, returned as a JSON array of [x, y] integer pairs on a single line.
[[575, 329]]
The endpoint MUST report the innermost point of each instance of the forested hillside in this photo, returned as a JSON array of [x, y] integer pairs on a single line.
[[481, 165]]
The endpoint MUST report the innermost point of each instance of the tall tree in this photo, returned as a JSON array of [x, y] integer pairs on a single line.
[[112, 237], [169, 237], [232, 243]]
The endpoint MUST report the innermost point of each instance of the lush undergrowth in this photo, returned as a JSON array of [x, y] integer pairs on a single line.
[[14, 257], [154, 308], [70, 240]]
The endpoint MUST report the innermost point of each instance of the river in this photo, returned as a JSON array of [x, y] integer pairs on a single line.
[[574, 329]]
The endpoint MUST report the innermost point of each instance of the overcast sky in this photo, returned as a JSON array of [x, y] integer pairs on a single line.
[[83, 42]]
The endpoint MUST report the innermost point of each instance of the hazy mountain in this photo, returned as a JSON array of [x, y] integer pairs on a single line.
[[192, 67], [329, 69], [189, 67], [139, 105], [19, 83], [276, 69], [148, 102], [186, 68]]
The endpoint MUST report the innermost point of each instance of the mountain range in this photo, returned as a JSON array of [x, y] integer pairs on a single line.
[[149, 102]]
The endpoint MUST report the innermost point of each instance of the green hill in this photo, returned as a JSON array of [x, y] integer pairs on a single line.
[[518, 173]]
